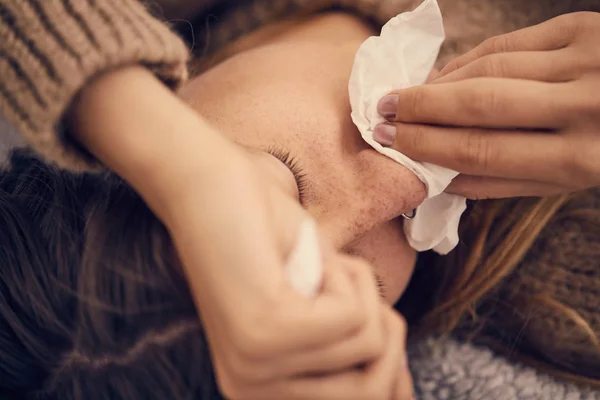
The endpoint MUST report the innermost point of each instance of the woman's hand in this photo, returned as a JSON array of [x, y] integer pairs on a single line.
[[233, 227], [518, 115], [268, 341]]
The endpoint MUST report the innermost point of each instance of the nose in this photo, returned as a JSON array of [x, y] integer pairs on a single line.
[[374, 191]]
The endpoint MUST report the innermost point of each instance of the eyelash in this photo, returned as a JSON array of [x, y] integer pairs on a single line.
[[292, 163]]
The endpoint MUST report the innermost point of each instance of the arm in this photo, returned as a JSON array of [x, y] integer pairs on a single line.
[[51, 49], [194, 181]]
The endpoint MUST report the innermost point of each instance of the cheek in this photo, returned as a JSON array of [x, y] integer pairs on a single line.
[[392, 258]]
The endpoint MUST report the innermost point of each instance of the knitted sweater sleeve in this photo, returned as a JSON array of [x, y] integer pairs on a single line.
[[50, 49]]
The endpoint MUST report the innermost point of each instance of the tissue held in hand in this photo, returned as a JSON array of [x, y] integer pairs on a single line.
[[402, 56]]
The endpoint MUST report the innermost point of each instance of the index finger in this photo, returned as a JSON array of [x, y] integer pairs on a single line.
[[550, 35], [484, 102]]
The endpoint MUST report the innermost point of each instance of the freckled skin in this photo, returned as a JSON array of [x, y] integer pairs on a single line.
[[293, 93]]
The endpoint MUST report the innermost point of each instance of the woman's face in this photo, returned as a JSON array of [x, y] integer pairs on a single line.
[[289, 100]]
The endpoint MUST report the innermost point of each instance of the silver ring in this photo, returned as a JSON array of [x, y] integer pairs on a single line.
[[412, 215]]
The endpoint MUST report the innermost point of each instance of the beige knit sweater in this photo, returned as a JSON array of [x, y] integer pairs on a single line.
[[50, 49]]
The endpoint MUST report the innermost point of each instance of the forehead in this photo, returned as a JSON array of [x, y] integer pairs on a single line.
[[258, 103]]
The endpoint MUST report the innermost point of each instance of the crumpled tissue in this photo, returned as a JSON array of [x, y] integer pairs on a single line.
[[403, 55], [304, 266]]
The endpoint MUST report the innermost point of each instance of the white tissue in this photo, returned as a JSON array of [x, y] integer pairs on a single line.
[[403, 56], [304, 268]]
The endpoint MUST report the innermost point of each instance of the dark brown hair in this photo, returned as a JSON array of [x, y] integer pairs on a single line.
[[486, 291], [92, 302]]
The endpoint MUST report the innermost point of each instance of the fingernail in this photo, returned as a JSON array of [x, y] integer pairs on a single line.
[[384, 134], [387, 106]]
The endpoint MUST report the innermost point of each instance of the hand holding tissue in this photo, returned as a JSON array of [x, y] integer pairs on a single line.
[[403, 56]]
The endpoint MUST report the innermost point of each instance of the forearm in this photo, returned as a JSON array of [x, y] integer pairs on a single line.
[[138, 128]]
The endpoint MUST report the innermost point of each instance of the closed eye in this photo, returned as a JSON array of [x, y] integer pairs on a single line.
[[292, 163]]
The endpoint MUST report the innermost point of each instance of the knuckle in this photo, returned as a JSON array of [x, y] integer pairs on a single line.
[[373, 343], [252, 342], [236, 370], [583, 19], [250, 348], [399, 326], [374, 389], [414, 140], [402, 324], [489, 102], [570, 168], [451, 67], [380, 393], [572, 24], [499, 44], [362, 266], [407, 394], [358, 317], [353, 312], [494, 66], [587, 106], [361, 269], [229, 388], [252, 372], [480, 104], [581, 168], [415, 104], [468, 186], [473, 152]]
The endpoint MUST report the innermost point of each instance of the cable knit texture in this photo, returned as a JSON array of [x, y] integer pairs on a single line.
[[50, 49], [450, 370]]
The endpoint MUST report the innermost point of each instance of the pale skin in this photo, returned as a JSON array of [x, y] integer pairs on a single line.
[[354, 194], [193, 178], [233, 214], [518, 115]]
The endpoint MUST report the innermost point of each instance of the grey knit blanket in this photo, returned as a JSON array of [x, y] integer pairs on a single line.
[[449, 370]]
